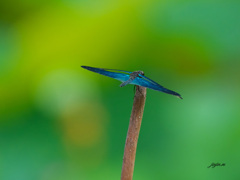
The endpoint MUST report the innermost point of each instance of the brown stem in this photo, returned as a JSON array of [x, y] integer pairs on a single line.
[[133, 133]]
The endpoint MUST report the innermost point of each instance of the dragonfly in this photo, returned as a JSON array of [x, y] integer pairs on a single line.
[[135, 78]]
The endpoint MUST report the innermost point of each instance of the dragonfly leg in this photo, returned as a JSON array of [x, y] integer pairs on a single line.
[[134, 89]]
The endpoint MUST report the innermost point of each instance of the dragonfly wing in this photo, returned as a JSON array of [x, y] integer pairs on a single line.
[[116, 75], [146, 82], [128, 72], [146, 78], [124, 76], [127, 82]]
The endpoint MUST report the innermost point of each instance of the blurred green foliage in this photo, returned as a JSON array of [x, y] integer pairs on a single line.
[[60, 122]]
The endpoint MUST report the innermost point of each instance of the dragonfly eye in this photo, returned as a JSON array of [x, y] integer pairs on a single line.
[[141, 72]]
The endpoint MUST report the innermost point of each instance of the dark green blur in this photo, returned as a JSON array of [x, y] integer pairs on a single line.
[[61, 122]]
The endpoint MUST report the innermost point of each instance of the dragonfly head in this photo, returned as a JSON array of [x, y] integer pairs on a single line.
[[140, 72], [135, 74]]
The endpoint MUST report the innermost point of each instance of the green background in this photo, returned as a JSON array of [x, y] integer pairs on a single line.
[[61, 122]]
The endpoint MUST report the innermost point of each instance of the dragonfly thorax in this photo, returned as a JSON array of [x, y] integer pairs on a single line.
[[136, 74]]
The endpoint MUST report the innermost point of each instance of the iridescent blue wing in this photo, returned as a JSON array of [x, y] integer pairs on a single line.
[[117, 70], [124, 76], [127, 82], [146, 82], [119, 74]]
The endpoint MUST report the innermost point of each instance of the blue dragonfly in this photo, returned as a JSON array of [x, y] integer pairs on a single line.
[[136, 78]]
